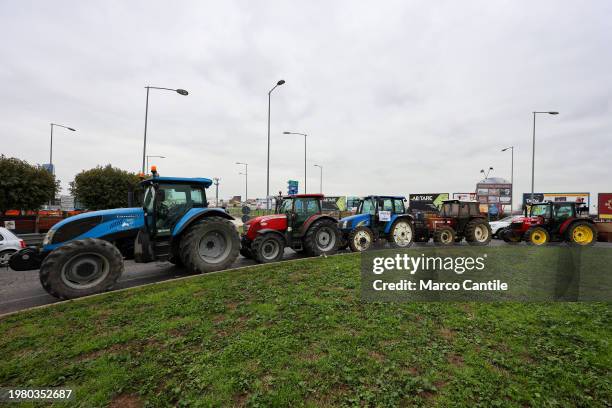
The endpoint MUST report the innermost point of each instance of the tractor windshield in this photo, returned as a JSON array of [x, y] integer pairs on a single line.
[[285, 207], [367, 206], [541, 210]]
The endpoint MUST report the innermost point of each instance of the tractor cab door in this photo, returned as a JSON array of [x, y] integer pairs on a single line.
[[561, 213], [172, 201], [384, 212], [368, 206], [303, 209]]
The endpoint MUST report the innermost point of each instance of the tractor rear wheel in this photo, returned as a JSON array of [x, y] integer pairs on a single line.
[[582, 233], [360, 239], [268, 248], [401, 234], [210, 244], [478, 232], [81, 268], [322, 238], [537, 236], [444, 235]]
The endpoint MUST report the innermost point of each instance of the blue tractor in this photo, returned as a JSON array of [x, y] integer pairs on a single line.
[[378, 217], [83, 255]]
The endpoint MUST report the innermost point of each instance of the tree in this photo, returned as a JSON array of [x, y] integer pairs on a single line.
[[24, 186], [103, 187]]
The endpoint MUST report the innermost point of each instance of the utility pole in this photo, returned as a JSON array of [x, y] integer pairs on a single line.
[[216, 182]]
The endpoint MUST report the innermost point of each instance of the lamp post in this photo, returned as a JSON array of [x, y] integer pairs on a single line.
[[246, 180], [279, 83], [216, 180], [301, 134], [486, 173], [51, 145], [511, 172], [533, 149], [150, 155], [321, 181], [144, 149]]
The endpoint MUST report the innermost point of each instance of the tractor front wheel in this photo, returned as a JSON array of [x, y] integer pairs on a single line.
[[210, 244], [402, 234], [582, 233], [445, 235], [81, 268], [322, 238], [537, 236], [478, 232], [268, 248], [360, 239]]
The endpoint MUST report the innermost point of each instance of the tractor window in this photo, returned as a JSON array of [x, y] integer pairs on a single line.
[[563, 211], [197, 198], [367, 207], [399, 206], [540, 211], [173, 202], [307, 205], [387, 205], [148, 200], [285, 207]]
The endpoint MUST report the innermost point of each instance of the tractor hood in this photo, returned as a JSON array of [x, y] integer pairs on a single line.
[[276, 222], [354, 221], [107, 215], [263, 220]]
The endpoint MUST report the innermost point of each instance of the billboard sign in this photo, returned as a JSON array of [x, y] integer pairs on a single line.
[[465, 196], [331, 203], [604, 205], [494, 193], [426, 201], [556, 197]]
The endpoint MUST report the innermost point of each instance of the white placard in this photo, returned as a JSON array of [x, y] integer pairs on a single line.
[[9, 225], [384, 216]]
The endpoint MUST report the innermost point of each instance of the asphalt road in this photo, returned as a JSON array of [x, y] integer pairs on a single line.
[[22, 290]]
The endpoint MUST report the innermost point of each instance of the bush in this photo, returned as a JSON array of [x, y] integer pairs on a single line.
[[103, 187], [24, 186]]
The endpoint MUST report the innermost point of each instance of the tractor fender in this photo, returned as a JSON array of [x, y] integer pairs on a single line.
[[568, 223], [314, 218], [396, 217], [273, 231], [195, 214]]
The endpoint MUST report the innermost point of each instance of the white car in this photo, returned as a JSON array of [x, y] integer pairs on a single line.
[[497, 226], [9, 244]]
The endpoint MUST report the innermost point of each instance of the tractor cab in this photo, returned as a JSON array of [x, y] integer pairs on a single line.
[[299, 223]]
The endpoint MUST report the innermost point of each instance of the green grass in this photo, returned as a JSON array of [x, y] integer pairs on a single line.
[[298, 334]]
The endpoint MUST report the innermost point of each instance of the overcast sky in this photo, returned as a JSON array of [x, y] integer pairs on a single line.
[[396, 97]]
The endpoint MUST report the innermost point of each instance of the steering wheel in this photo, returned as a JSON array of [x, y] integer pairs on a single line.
[[162, 211]]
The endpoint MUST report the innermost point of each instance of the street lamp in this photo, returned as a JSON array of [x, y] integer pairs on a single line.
[[150, 155], [246, 180], [51, 146], [533, 150], [321, 182], [279, 83], [301, 134], [511, 170], [144, 149], [486, 173]]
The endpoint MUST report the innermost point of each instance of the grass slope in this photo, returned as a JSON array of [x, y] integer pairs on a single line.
[[298, 334]]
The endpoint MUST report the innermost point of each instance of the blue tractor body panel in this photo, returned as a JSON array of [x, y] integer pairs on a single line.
[[118, 221], [194, 214], [353, 221]]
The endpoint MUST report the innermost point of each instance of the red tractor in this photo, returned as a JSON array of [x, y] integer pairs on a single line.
[[548, 221], [458, 220], [298, 223]]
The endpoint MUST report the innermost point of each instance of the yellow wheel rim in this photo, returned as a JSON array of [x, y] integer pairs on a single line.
[[582, 235], [538, 237]]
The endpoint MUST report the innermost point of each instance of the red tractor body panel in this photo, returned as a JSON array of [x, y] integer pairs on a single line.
[[277, 222]]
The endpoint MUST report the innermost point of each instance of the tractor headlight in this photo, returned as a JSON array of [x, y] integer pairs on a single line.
[[343, 224], [48, 237]]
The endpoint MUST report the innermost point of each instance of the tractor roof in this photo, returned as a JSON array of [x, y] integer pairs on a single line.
[[304, 196], [385, 196], [181, 180]]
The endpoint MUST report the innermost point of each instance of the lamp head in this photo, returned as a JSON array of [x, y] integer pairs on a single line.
[[182, 92], [282, 81], [553, 113]]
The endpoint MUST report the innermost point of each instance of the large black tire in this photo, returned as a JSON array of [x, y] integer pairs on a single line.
[[360, 239], [246, 252], [509, 236], [210, 244], [444, 235], [322, 238], [5, 256], [537, 236], [582, 233], [268, 248], [478, 232], [81, 268], [401, 234]]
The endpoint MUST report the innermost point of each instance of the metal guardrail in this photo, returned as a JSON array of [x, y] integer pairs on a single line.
[[32, 239]]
